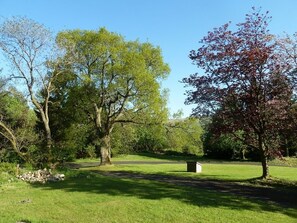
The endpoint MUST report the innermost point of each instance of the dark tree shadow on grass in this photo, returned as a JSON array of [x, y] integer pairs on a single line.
[[203, 193]]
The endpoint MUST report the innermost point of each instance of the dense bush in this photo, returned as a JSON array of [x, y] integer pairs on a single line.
[[223, 147], [184, 135], [17, 127], [9, 168], [123, 139], [151, 138], [179, 135]]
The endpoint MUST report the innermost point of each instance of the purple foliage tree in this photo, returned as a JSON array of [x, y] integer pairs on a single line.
[[245, 84]]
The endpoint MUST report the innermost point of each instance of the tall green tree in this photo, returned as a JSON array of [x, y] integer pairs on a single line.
[[119, 81]]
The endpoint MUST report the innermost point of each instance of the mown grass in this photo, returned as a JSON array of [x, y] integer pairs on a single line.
[[290, 162], [86, 196], [230, 172], [146, 156], [89, 197]]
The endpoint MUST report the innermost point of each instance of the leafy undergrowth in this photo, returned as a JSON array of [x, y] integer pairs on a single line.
[[286, 161], [7, 172]]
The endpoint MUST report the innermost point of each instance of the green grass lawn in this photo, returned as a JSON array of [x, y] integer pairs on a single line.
[[231, 172], [290, 162], [86, 196]]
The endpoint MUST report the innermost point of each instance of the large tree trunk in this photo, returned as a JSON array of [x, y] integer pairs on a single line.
[[287, 148], [264, 161], [45, 119], [49, 140], [243, 151], [265, 167], [105, 151]]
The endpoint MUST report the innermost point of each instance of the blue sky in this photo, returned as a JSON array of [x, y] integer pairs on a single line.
[[174, 25]]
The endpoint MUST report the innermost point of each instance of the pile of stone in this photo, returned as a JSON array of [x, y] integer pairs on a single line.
[[41, 176]]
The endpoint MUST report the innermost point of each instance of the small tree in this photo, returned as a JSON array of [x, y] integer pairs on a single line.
[[245, 84], [184, 135], [29, 48], [17, 123], [151, 138]]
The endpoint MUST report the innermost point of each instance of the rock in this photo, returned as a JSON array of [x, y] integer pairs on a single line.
[[23, 221], [26, 201], [57, 177], [41, 176]]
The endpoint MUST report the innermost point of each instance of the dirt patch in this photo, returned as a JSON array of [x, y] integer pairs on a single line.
[[285, 197]]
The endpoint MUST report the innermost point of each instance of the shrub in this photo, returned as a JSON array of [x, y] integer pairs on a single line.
[[222, 147], [8, 167]]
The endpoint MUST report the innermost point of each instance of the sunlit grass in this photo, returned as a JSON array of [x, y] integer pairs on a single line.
[[210, 171], [88, 197], [290, 162]]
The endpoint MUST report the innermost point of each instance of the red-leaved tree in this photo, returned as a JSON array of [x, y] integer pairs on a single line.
[[245, 84]]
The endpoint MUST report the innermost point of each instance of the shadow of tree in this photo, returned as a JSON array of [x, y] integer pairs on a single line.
[[203, 193]]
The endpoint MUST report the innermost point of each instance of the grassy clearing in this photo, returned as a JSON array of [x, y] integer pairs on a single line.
[[147, 157], [131, 157], [289, 162], [89, 197], [230, 172], [156, 157], [212, 169]]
